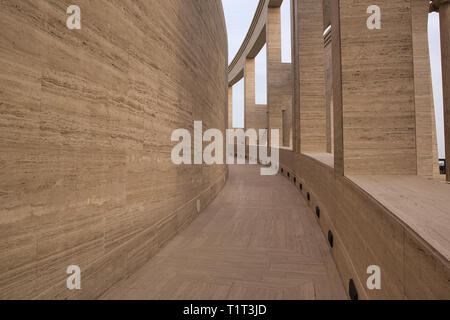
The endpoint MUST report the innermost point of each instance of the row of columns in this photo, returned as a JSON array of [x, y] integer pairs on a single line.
[[277, 114], [374, 110]]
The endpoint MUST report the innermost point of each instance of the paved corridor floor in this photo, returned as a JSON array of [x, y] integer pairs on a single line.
[[257, 240]]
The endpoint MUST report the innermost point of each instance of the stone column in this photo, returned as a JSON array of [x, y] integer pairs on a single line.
[[311, 59], [374, 90], [295, 77], [230, 107], [336, 64], [444, 16], [249, 93], [273, 42], [329, 93], [279, 75], [426, 143]]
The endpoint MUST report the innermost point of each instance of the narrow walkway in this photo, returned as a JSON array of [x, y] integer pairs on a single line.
[[257, 240]]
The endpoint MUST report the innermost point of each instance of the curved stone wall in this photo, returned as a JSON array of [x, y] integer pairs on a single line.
[[86, 118]]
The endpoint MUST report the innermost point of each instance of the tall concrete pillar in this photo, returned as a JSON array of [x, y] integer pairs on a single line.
[[311, 59], [295, 77], [336, 65], [444, 17], [273, 45], [426, 142], [249, 93], [230, 107], [329, 93], [279, 76], [375, 98]]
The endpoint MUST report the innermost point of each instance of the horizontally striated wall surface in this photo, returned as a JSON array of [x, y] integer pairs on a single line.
[[86, 118]]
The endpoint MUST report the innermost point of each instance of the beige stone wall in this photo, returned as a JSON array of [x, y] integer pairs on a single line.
[[86, 118]]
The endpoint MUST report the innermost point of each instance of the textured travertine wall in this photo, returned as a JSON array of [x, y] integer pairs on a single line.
[[86, 118]]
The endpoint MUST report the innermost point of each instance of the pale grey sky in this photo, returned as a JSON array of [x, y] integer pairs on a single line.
[[239, 14]]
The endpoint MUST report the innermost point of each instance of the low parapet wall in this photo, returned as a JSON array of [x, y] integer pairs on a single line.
[[366, 233]]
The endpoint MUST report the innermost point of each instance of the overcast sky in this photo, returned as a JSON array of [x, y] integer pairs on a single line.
[[239, 15]]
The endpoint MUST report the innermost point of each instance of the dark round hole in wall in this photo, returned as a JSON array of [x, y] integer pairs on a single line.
[[318, 212], [352, 292], [289, 174], [295, 180], [308, 196], [282, 170], [331, 238], [301, 186]]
